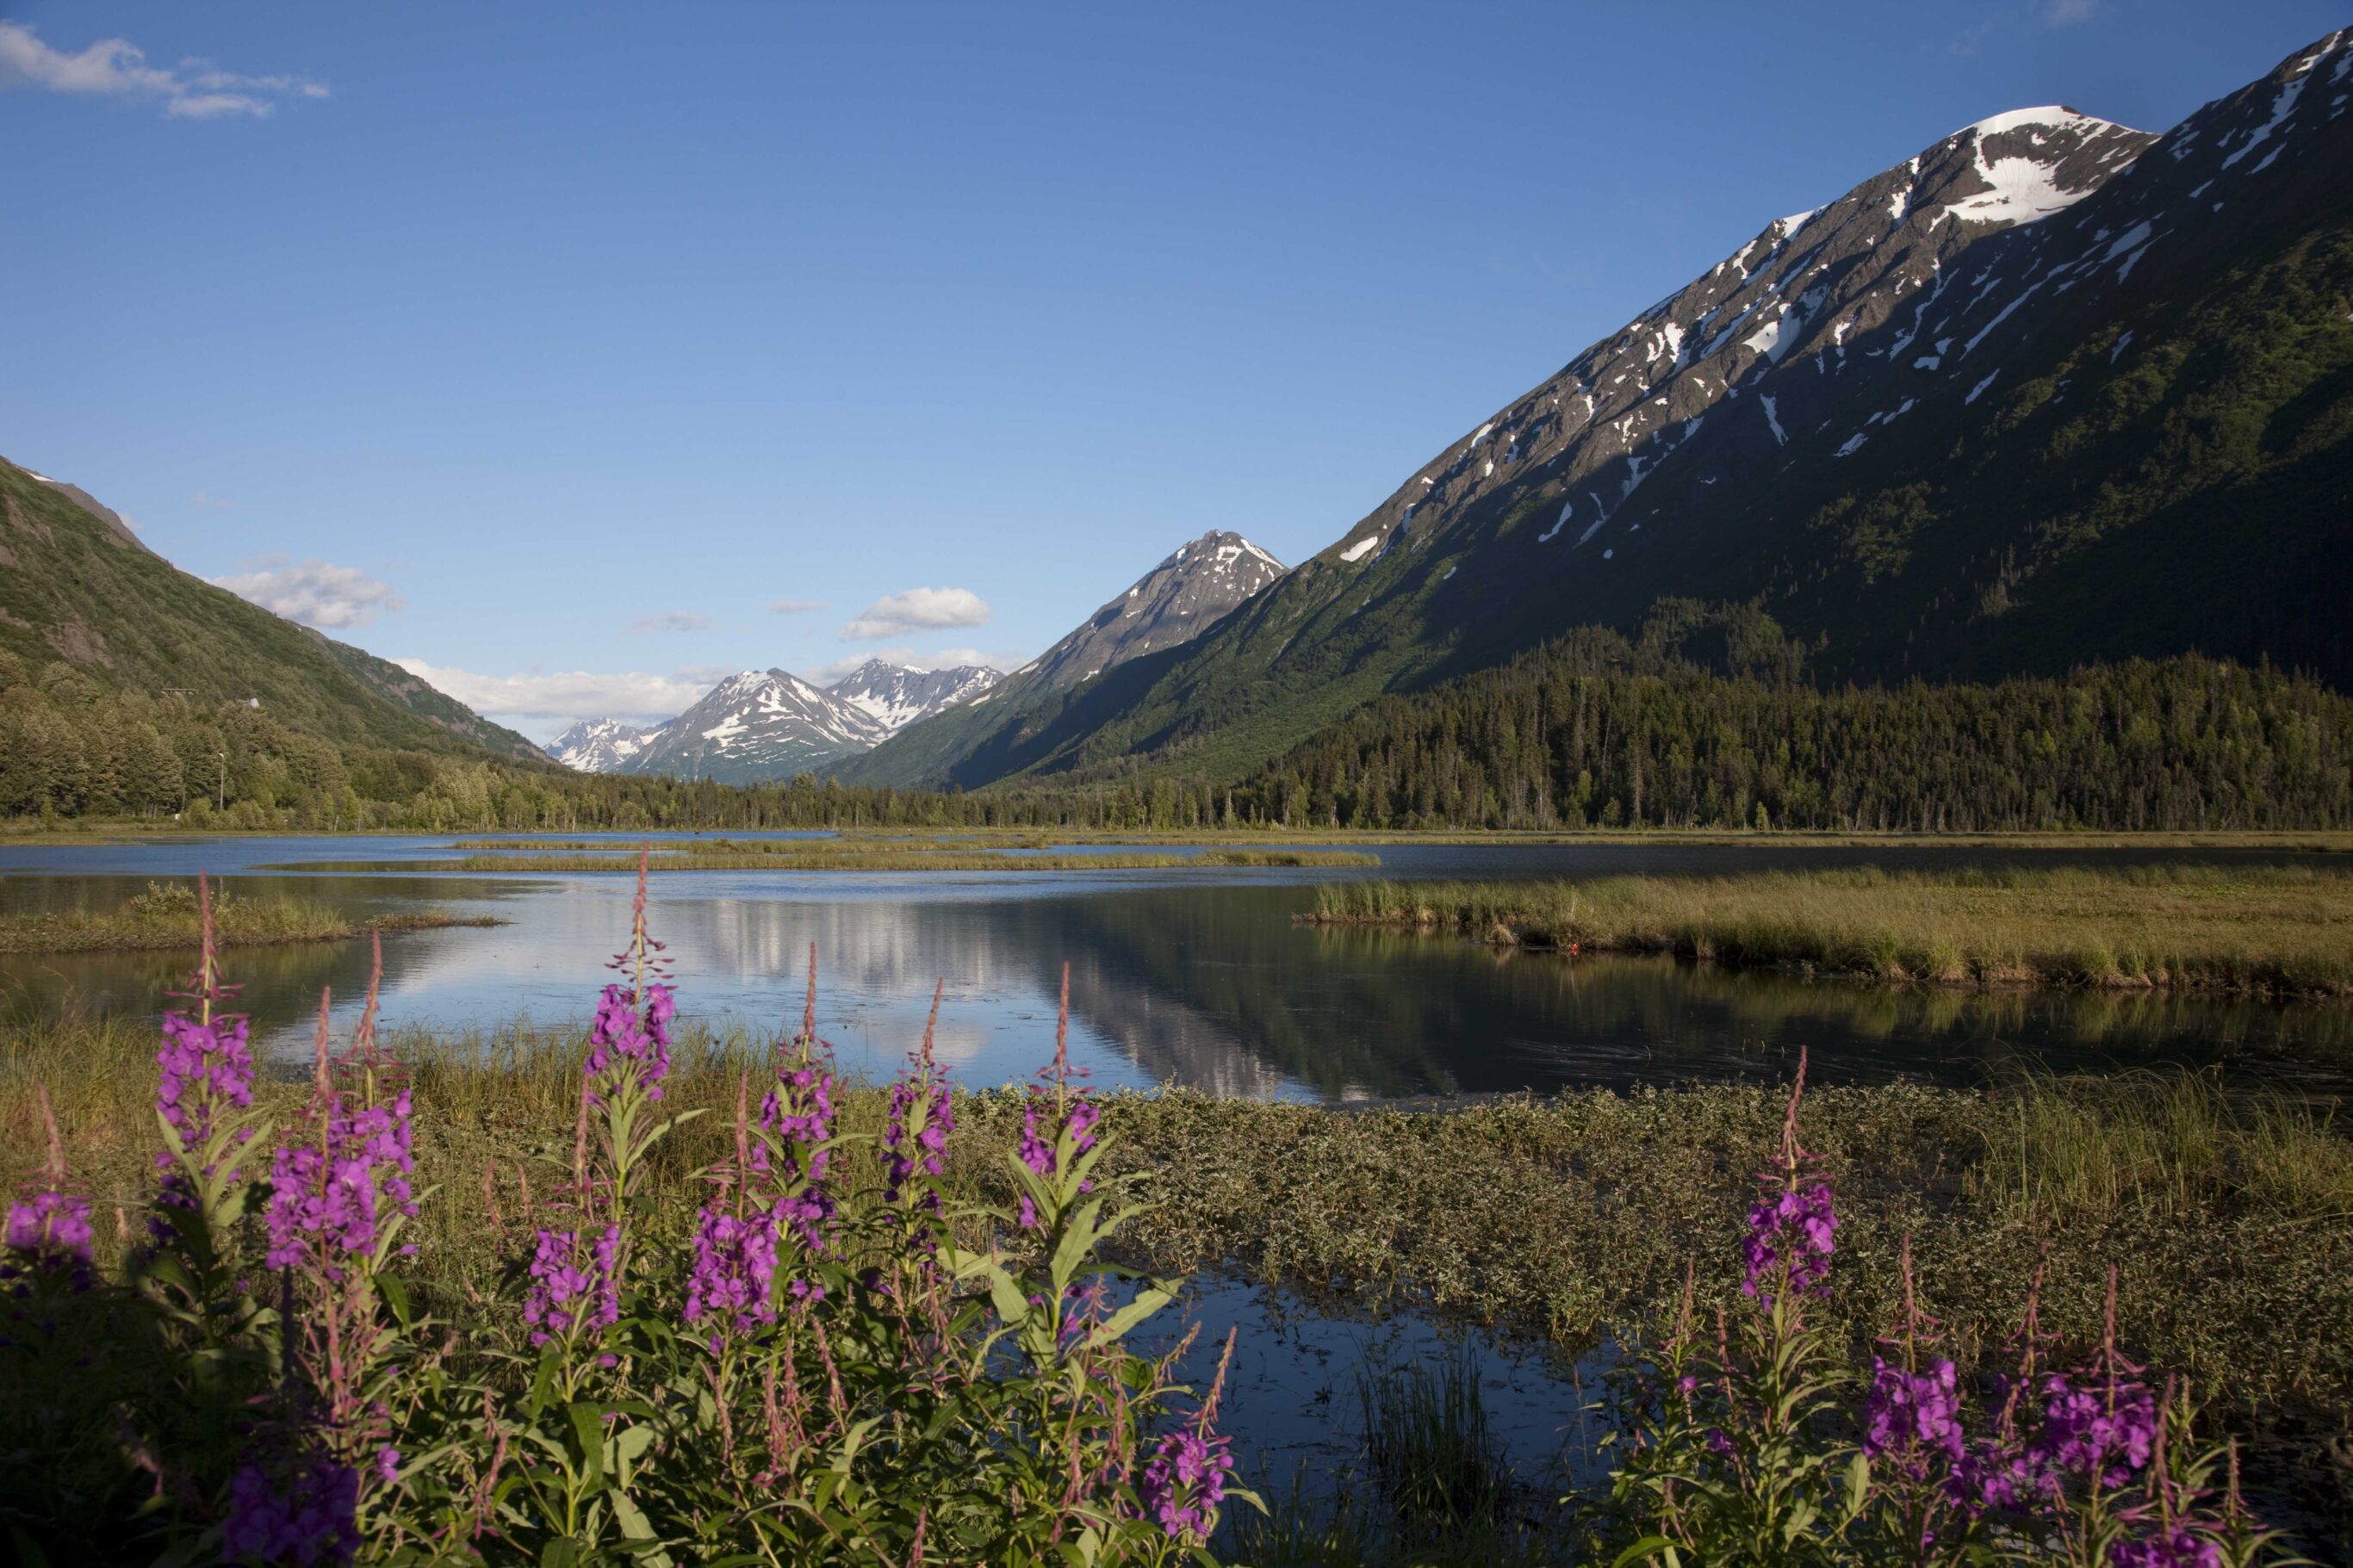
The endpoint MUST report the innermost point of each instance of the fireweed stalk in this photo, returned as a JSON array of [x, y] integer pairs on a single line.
[[887, 1388], [45, 1244], [1736, 1453], [338, 1201], [793, 1141], [203, 1106]]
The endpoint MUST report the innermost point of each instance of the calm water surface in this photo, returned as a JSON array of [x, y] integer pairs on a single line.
[[1196, 977]]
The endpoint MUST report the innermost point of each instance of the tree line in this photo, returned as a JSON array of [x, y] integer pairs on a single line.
[[1591, 732], [1588, 732]]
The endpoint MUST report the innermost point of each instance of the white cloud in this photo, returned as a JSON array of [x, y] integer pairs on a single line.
[[116, 68], [565, 694], [796, 606], [313, 592], [917, 610], [670, 621], [2066, 13]]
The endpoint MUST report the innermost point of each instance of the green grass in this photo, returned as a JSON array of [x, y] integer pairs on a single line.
[[1427, 1442], [165, 917], [2252, 930], [2231, 1215]]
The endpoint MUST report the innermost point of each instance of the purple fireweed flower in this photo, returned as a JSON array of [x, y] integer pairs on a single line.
[[798, 1111], [1913, 1418], [1997, 1474], [1796, 1225], [734, 1272], [1184, 1482], [388, 1464], [904, 1155], [48, 1234], [2178, 1547], [573, 1286], [204, 1068], [332, 1195], [628, 1037], [307, 1516], [2105, 1434], [50, 1225], [1038, 1144]]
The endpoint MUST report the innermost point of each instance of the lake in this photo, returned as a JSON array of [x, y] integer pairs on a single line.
[[1196, 977]]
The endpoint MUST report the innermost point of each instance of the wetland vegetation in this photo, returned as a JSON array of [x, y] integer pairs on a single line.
[[2225, 1220], [165, 917], [2273, 931]]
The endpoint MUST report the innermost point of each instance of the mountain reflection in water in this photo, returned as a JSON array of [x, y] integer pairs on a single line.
[[1198, 978]]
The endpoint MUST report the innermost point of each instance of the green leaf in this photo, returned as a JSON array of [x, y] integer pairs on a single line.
[[1642, 1550], [1005, 1294], [395, 1291], [634, 1524], [1149, 1301], [1857, 1484], [588, 1426], [630, 1443]]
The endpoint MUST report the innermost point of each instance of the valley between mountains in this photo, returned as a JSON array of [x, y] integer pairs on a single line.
[[2052, 411]]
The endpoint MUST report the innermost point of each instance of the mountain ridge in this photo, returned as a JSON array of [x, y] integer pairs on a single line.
[[1192, 589], [78, 586], [758, 724], [1852, 396]]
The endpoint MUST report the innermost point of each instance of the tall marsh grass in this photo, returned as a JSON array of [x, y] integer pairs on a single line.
[[165, 917], [2257, 930]]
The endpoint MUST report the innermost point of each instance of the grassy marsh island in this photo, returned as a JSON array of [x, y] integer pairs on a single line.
[[2260, 931], [823, 855], [165, 917]]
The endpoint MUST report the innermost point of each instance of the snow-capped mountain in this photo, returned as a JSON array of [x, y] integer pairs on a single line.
[[600, 745], [764, 724], [894, 696], [1178, 600], [2050, 389], [1175, 602], [759, 724]]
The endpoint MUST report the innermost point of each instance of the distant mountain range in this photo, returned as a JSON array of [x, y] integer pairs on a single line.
[[1178, 600], [767, 724], [764, 724], [2051, 390]]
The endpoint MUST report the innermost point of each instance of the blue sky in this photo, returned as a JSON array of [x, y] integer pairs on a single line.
[[555, 346]]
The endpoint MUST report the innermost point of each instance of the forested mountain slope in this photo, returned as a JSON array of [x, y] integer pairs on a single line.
[[2051, 390], [77, 589]]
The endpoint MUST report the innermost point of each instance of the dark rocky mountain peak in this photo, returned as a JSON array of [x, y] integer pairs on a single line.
[[1175, 602]]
